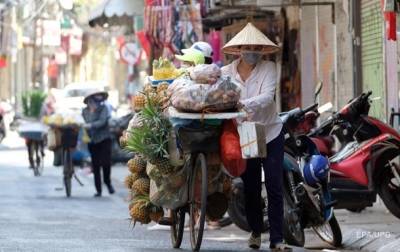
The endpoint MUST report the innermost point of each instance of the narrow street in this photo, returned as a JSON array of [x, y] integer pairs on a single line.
[[35, 215]]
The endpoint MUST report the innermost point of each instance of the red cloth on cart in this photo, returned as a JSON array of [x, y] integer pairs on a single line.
[[231, 153]]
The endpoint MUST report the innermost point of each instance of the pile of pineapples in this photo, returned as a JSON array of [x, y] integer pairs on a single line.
[[141, 209], [156, 94], [149, 142]]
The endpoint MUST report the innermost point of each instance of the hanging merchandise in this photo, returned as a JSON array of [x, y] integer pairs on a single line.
[[171, 26], [390, 18], [3, 61], [214, 38], [144, 42], [189, 24]]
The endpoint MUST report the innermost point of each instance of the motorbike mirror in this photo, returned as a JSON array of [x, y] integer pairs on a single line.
[[326, 107], [318, 89]]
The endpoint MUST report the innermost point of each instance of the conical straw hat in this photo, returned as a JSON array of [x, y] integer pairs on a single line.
[[250, 35]]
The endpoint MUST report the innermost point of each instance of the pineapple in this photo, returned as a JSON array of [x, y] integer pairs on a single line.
[[137, 164], [141, 186], [123, 140], [163, 86], [163, 165], [128, 181], [156, 213], [131, 205], [148, 89], [154, 173], [135, 176], [139, 102], [153, 98], [139, 212]]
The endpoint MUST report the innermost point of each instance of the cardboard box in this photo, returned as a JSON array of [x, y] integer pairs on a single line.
[[252, 140]]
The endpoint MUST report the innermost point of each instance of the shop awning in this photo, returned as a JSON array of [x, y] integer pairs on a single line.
[[116, 12]]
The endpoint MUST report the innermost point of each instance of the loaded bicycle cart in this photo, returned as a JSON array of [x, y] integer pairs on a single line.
[[177, 167], [34, 132], [63, 136], [197, 141]]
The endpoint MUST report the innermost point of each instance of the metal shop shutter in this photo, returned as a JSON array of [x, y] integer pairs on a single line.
[[372, 54]]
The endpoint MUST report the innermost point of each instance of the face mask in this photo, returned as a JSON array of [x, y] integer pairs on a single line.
[[251, 58], [92, 103], [98, 98]]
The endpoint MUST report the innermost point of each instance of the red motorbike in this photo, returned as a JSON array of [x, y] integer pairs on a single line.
[[366, 163]]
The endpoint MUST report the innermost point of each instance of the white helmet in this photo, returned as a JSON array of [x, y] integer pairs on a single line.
[[203, 47]]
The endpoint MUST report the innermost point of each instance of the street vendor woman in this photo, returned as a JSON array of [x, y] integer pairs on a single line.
[[258, 79], [96, 117]]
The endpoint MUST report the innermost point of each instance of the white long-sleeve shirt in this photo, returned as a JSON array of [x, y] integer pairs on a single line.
[[257, 95]]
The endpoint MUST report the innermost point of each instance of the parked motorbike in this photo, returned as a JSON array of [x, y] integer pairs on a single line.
[[366, 163], [306, 204], [117, 126], [307, 193]]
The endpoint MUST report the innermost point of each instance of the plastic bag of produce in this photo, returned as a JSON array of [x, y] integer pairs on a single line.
[[222, 96], [171, 192], [205, 74]]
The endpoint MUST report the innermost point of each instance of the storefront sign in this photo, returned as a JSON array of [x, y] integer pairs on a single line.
[[75, 41], [51, 33], [61, 56]]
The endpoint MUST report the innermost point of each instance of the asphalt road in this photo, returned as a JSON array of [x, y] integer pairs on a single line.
[[35, 215]]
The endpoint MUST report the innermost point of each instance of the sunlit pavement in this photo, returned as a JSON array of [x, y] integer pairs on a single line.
[[35, 215]]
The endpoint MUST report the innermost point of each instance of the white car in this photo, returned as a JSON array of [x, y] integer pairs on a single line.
[[71, 97]]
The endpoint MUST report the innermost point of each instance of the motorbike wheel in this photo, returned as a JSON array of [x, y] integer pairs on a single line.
[[237, 212], [330, 232], [389, 192], [293, 232]]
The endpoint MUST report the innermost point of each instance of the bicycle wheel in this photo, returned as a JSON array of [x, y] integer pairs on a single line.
[[33, 153], [39, 158], [198, 201], [41, 164], [68, 172], [177, 227]]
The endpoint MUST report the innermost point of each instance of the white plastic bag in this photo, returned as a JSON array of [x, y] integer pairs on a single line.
[[222, 96], [205, 74]]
